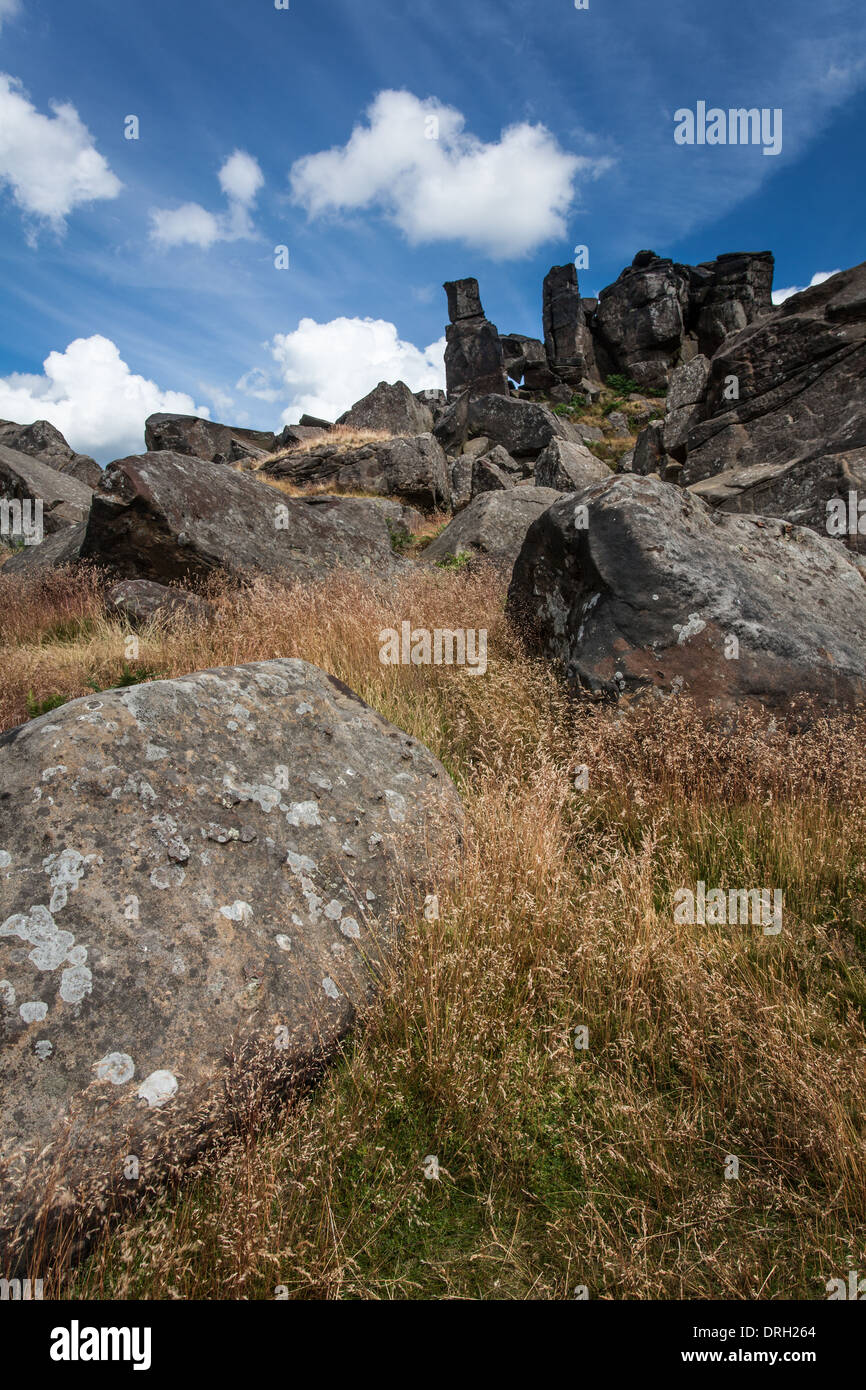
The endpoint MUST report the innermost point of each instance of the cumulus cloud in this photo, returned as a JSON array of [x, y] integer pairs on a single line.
[[779, 296], [240, 179], [326, 367], [414, 161], [91, 396], [49, 163]]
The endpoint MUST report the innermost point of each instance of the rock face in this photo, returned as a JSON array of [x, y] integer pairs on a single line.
[[567, 340], [209, 875], [526, 360], [473, 352], [800, 375], [523, 428], [659, 314], [65, 500], [660, 591], [493, 526], [391, 408], [205, 439], [62, 548], [42, 441], [414, 469], [168, 517], [569, 467]]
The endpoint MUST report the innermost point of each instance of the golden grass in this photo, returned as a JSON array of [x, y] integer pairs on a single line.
[[558, 1167], [342, 435]]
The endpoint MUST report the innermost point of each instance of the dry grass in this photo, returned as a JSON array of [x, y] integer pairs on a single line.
[[558, 1166], [341, 435]]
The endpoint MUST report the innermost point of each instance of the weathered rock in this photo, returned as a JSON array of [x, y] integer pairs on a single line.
[[292, 435], [684, 403], [23, 478], [488, 475], [649, 449], [798, 492], [204, 439], [434, 400], [526, 360], [652, 592], [414, 469], [567, 339], [61, 548], [800, 374], [473, 352], [640, 320], [43, 441], [169, 517], [211, 875], [389, 407], [493, 526], [738, 291], [617, 425], [141, 600], [522, 427], [568, 467], [461, 482], [313, 422]]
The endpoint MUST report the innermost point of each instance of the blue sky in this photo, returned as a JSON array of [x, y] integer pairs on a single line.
[[144, 270]]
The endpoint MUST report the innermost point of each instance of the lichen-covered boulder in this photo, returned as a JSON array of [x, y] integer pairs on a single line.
[[199, 881]]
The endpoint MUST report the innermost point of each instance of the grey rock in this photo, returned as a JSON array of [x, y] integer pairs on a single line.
[[214, 876], [24, 478], [414, 469], [141, 600], [568, 467], [522, 427], [43, 441], [567, 339], [493, 526], [199, 438], [649, 592], [389, 407]]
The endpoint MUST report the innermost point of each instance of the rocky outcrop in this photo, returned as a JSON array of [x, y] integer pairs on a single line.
[[62, 548], [210, 878], [414, 469], [172, 518], [492, 527], [523, 428], [473, 352], [526, 362], [23, 478], [635, 584], [392, 408], [788, 393], [205, 439], [567, 339], [727, 294], [42, 441], [568, 467]]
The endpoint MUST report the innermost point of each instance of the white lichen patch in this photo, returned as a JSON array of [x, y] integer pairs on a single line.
[[304, 813], [116, 1067], [5, 859], [33, 1011], [158, 1088], [49, 773], [43, 1048], [349, 927], [396, 807], [167, 876], [284, 942], [7, 993], [330, 988], [75, 983], [694, 625], [264, 795], [154, 752], [334, 910], [238, 912], [65, 871]]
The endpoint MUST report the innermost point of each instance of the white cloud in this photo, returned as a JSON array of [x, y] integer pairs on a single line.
[[192, 225], [326, 367], [91, 396], [50, 163], [8, 10], [415, 162], [779, 296]]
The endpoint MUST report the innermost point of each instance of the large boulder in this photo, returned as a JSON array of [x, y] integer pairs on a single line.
[[727, 294], [640, 319], [65, 500], [55, 551], [492, 527], [526, 361], [788, 389], [569, 467], [392, 408], [201, 880], [635, 583], [43, 441], [523, 428], [473, 352], [414, 469], [684, 406], [807, 492], [205, 439], [142, 601], [168, 517]]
